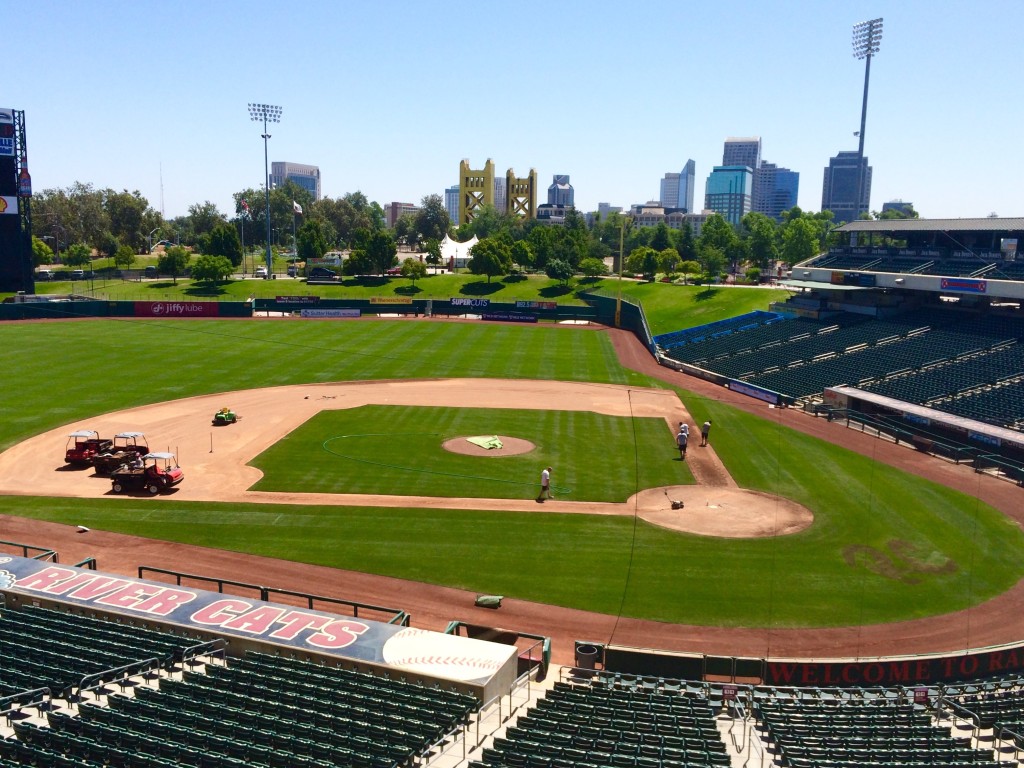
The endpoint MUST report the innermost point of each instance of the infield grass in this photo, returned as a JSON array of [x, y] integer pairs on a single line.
[[398, 450]]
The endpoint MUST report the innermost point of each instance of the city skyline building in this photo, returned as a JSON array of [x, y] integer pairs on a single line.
[[775, 190], [451, 203], [394, 211], [305, 176], [729, 191], [846, 174], [561, 193], [677, 188], [742, 151]]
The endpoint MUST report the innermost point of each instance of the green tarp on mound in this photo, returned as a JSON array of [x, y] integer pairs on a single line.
[[486, 441]]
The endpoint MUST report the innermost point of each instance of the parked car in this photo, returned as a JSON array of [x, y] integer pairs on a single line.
[[78, 274], [44, 274], [322, 273], [394, 271], [261, 272]]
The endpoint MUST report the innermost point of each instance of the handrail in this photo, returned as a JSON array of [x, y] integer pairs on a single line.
[[116, 675], [44, 552], [398, 616]]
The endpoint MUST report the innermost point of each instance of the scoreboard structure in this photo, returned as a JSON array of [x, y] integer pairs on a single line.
[[16, 268]]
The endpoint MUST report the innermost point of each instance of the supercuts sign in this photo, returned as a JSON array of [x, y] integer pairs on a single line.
[[212, 611]]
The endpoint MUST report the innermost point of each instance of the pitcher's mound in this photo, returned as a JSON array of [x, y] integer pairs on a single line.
[[731, 513], [510, 446]]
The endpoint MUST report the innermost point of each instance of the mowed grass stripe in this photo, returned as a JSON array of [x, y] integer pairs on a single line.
[[53, 373], [399, 450]]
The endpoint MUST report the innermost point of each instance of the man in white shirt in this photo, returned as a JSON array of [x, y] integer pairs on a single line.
[[545, 484]]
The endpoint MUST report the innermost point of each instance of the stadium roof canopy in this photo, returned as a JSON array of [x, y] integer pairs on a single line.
[[934, 225]]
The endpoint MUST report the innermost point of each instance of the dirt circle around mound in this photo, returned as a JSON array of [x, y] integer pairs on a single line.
[[728, 513], [510, 446]]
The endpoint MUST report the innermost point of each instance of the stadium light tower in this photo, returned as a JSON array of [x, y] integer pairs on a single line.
[[867, 39], [268, 114]]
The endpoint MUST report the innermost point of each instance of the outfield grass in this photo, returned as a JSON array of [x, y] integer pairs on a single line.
[[671, 307], [885, 545], [398, 449], [56, 373]]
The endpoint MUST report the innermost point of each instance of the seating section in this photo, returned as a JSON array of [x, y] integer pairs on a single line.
[[944, 262], [260, 710], [624, 725], [718, 329], [837, 734], [42, 648], [960, 362]]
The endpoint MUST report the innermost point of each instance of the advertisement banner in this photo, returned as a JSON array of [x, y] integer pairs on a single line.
[[753, 391], [330, 313], [391, 300], [297, 299], [963, 285], [536, 305], [177, 309], [8, 204], [509, 317], [460, 302]]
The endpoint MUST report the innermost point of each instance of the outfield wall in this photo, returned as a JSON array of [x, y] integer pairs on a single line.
[[924, 669]]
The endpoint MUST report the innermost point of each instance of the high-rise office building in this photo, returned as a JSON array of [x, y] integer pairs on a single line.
[[306, 176], [839, 192], [775, 190], [903, 206], [745, 151], [561, 193], [729, 190], [451, 204], [677, 188]]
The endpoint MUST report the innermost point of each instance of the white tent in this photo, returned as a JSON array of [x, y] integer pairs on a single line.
[[455, 255]]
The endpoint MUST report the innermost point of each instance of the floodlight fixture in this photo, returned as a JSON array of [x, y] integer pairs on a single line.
[[266, 113], [867, 40]]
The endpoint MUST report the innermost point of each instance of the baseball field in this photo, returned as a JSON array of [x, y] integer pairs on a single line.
[[883, 546]]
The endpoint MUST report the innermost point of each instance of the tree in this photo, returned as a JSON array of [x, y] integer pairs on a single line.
[[689, 267], [405, 230], [432, 220], [644, 261], [661, 239], [211, 269], [77, 255], [713, 262], [763, 240], [685, 244], [223, 241], [593, 267], [667, 260], [490, 257], [433, 249], [559, 269], [202, 218], [799, 241], [716, 233], [125, 257], [130, 216], [173, 261], [41, 252], [380, 250], [313, 241], [413, 269], [522, 254]]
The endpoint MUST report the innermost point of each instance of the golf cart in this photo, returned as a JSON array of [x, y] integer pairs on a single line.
[[83, 445], [154, 472], [127, 445], [224, 417]]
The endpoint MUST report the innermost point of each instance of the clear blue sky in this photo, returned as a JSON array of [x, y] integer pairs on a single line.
[[387, 98]]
